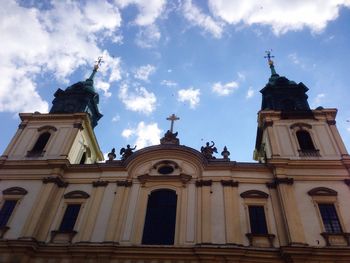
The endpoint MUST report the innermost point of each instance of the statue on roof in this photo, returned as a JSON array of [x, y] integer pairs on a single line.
[[170, 136], [208, 150], [111, 155], [127, 152]]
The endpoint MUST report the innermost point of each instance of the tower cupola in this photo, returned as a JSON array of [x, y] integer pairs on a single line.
[[79, 97]]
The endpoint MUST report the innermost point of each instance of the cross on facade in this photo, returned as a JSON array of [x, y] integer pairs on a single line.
[[172, 118]]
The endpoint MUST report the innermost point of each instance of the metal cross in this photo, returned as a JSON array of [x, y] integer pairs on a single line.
[[172, 118], [268, 55], [98, 63]]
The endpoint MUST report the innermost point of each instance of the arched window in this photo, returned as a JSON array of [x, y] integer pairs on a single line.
[[305, 141], [83, 158], [159, 228], [40, 143]]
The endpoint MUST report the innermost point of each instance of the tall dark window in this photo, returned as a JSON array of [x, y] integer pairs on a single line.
[[305, 141], [83, 158], [160, 219], [6, 211], [257, 219], [330, 218], [70, 217], [41, 142]]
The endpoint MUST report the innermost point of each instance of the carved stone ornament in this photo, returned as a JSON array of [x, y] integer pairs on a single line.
[[111, 155], [254, 194], [125, 183], [77, 194], [225, 154], [170, 138], [229, 183], [201, 183], [14, 191], [99, 183], [208, 150], [56, 180], [127, 152], [322, 191], [183, 178]]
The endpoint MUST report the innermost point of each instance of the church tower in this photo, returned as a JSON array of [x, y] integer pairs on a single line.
[[289, 129], [66, 133]]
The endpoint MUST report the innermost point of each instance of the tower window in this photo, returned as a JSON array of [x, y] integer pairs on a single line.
[[83, 158], [40, 143], [257, 219], [330, 218], [305, 141], [6, 211], [70, 217]]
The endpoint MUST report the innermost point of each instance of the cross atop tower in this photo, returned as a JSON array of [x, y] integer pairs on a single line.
[[268, 56], [172, 118], [98, 63], [270, 61]]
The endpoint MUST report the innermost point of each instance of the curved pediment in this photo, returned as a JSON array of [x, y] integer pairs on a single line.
[[322, 191], [165, 160]]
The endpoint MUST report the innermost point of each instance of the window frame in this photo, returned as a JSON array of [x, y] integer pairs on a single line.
[[300, 126], [12, 193], [324, 195], [41, 131]]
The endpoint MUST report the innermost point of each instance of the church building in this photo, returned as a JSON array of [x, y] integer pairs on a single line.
[[60, 202]]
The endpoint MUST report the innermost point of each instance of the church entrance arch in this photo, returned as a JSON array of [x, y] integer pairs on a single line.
[[159, 228]]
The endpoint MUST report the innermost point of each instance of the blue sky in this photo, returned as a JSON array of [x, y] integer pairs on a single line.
[[202, 60]]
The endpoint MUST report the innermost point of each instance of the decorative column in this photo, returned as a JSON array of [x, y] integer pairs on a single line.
[[232, 218], [45, 207], [205, 210], [271, 137], [338, 140], [115, 220], [278, 214], [295, 229], [88, 225]]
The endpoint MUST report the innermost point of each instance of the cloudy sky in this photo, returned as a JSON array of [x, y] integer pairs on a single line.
[[202, 60]]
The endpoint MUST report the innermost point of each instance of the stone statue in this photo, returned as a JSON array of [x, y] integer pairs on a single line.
[[170, 138], [208, 150], [112, 155], [225, 153], [125, 153]]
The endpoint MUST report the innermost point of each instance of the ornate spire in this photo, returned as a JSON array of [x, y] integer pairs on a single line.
[[270, 61], [98, 62]]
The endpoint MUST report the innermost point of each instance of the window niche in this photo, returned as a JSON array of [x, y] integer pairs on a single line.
[[165, 170], [255, 203], [306, 145], [9, 203], [327, 209], [39, 148], [71, 211]]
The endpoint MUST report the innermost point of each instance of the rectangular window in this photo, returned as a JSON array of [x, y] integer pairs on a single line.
[[70, 217], [6, 211], [330, 218], [257, 219]]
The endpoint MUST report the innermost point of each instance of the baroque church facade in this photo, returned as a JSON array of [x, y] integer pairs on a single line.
[[61, 203]]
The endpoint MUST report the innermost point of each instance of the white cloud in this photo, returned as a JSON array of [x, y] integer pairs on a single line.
[[194, 15], [103, 86], [146, 134], [140, 100], [144, 72], [148, 37], [149, 10], [224, 89], [318, 100], [36, 42], [168, 83], [282, 16], [250, 93], [190, 95], [294, 58], [127, 133], [116, 118]]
